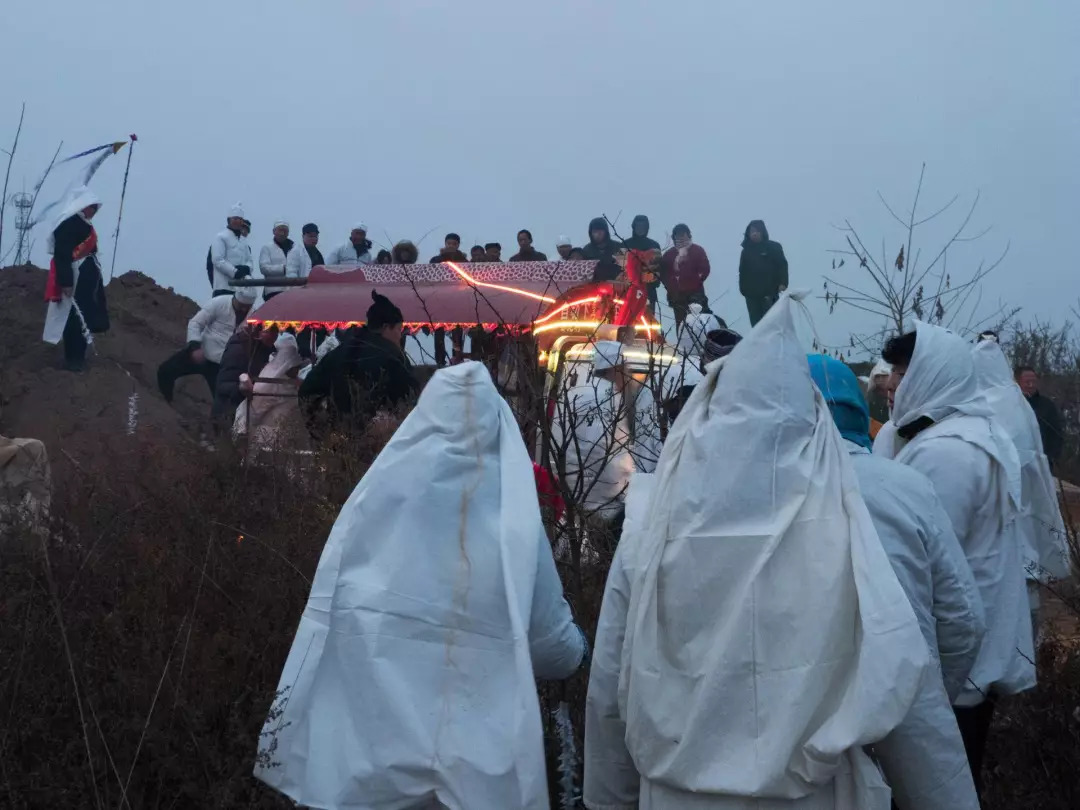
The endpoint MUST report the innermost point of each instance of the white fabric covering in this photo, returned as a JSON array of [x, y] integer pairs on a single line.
[[1046, 550], [924, 758], [975, 471], [694, 331], [434, 606], [766, 636]]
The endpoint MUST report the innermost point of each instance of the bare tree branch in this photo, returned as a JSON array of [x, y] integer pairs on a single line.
[[7, 174]]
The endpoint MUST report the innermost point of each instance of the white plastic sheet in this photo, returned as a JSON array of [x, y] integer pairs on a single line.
[[767, 638], [1046, 552], [411, 680]]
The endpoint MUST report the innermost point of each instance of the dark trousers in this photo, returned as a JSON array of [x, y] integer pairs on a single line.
[[74, 342], [681, 301], [181, 365], [974, 724], [756, 307]]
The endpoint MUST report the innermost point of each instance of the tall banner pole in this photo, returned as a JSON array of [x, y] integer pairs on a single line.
[[120, 214]]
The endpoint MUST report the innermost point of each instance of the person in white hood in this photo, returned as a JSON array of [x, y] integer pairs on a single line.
[[753, 636], [941, 427], [434, 607], [355, 252], [273, 257], [923, 758], [208, 333], [1045, 550], [265, 415], [563, 246], [230, 254], [75, 291]]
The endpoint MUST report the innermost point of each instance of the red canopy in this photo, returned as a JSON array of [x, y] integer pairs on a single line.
[[494, 295]]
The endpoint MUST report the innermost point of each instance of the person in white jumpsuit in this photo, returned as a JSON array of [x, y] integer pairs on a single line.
[[435, 606], [941, 427], [753, 636], [1046, 549], [923, 758]]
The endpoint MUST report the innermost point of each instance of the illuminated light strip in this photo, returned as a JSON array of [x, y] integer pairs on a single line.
[[412, 325], [647, 327], [535, 296], [565, 307]]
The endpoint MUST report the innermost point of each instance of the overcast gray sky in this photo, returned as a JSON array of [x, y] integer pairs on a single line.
[[486, 116]]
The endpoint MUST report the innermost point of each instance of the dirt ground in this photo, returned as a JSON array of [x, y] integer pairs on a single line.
[[76, 414]]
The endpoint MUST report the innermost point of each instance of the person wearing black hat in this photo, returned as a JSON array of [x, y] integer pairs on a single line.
[[369, 372], [299, 262], [600, 246]]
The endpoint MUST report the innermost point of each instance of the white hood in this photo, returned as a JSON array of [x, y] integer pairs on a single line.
[[80, 198], [940, 380], [411, 677], [767, 637], [1046, 547]]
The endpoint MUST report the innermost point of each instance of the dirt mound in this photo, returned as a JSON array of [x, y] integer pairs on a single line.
[[79, 413]]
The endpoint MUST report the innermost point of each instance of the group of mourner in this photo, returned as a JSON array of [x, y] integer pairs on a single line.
[[796, 616]]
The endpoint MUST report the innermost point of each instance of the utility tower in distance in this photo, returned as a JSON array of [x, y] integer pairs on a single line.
[[22, 203]]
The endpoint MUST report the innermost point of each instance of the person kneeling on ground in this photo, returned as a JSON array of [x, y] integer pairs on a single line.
[[367, 373], [208, 333], [923, 758], [752, 639], [435, 606]]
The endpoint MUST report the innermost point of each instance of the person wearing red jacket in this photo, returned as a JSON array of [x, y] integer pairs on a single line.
[[686, 266]]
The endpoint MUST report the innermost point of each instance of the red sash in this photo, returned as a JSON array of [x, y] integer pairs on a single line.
[[53, 291], [636, 297]]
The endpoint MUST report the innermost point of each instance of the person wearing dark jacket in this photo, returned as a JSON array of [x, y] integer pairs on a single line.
[[247, 352], [763, 271], [600, 246], [526, 251], [75, 246], [451, 250], [640, 241], [1045, 411], [685, 268], [367, 373]]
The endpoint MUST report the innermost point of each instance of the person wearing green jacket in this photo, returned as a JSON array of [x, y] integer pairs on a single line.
[[763, 271]]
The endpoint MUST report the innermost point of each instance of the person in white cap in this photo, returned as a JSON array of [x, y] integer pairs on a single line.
[[208, 332], [564, 246], [355, 252], [272, 257], [230, 254]]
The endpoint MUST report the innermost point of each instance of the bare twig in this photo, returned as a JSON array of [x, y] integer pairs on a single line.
[[7, 174]]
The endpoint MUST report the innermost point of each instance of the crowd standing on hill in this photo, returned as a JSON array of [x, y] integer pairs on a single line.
[[831, 626]]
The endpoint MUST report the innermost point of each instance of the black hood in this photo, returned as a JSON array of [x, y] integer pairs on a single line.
[[599, 224], [760, 225], [640, 219]]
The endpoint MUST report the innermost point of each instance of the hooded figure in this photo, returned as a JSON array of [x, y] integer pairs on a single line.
[[923, 758], [752, 639], [641, 242], [1045, 549], [411, 680], [877, 396], [367, 373], [600, 246], [405, 252], [763, 270], [264, 417], [75, 279], [941, 427]]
